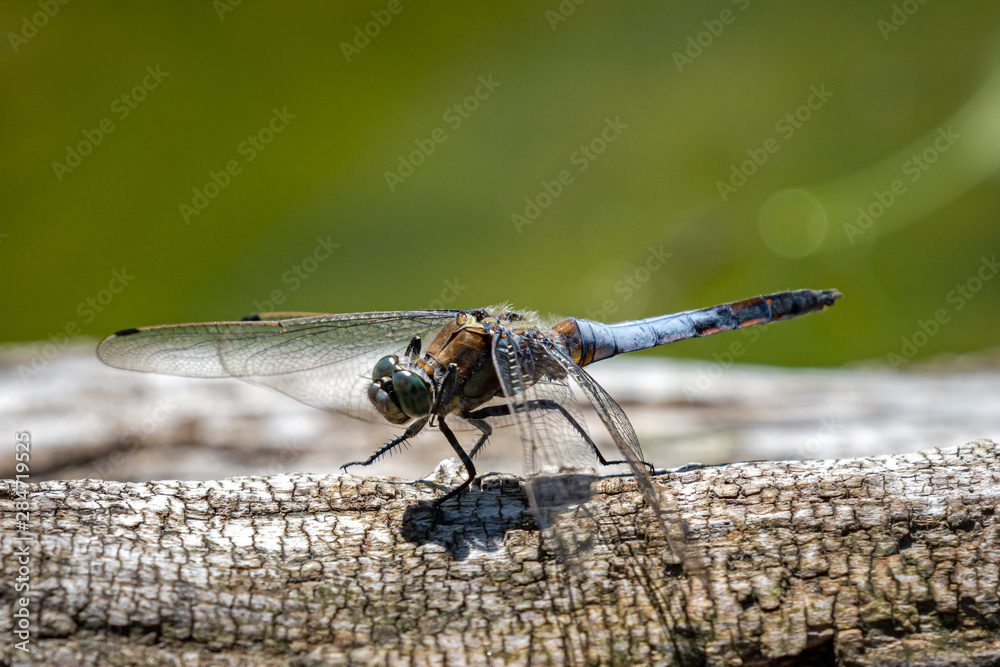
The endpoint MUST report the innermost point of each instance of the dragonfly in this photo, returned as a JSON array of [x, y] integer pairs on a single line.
[[445, 368]]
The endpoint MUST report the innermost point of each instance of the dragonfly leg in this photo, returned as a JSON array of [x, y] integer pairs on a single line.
[[447, 388], [466, 461], [548, 404], [486, 431], [411, 431]]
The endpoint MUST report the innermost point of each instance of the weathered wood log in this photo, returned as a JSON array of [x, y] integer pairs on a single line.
[[872, 561]]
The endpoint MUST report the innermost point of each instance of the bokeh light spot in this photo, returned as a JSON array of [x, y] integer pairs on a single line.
[[793, 223]]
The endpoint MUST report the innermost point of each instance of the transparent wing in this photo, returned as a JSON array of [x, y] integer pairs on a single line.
[[542, 407], [614, 418], [559, 459], [620, 428], [322, 360], [561, 465]]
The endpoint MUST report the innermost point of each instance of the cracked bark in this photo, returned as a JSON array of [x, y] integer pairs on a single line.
[[882, 560]]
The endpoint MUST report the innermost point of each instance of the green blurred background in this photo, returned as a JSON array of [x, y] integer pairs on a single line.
[[688, 114]]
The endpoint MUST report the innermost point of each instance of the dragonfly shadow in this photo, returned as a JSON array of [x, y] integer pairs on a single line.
[[480, 520]]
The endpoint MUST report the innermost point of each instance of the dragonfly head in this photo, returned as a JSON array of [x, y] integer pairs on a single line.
[[398, 393]]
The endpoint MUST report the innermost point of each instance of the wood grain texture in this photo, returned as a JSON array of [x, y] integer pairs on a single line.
[[884, 560], [871, 561]]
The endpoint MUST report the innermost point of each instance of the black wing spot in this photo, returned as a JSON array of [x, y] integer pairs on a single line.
[[251, 318], [127, 332]]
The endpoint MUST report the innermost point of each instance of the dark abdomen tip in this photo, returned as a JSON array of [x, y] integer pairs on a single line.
[[799, 302]]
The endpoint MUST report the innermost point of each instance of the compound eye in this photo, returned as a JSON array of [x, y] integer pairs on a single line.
[[412, 393], [384, 404], [385, 367]]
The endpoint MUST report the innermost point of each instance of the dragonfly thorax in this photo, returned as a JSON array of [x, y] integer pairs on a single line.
[[400, 391]]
